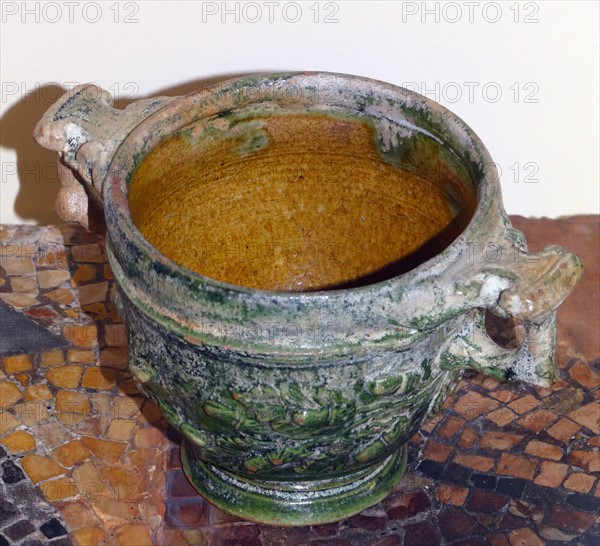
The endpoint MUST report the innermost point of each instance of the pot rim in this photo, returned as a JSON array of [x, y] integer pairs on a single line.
[[122, 167]]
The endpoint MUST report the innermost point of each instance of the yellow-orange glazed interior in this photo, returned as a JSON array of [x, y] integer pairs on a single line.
[[294, 202]]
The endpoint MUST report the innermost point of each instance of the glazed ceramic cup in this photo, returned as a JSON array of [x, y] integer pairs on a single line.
[[304, 264]]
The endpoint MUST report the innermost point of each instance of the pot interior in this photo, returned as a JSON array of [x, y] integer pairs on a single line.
[[300, 201]]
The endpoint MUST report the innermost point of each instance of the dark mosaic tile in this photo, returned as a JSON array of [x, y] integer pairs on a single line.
[[456, 473], [373, 519], [8, 511], [454, 523], [483, 481], [421, 533], [174, 460], [486, 502], [513, 487], [4, 541], [186, 513], [19, 530], [585, 502], [407, 505], [510, 522], [390, 540], [241, 535], [2, 453], [53, 529], [567, 519], [327, 529], [178, 485], [11, 473], [592, 537], [431, 468], [538, 494], [19, 334]]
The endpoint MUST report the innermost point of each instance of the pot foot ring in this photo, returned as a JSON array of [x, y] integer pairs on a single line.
[[290, 503]]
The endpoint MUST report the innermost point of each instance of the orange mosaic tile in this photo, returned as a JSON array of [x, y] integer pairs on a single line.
[[81, 356], [500, 440], [52, 358], [473, 404], [115, 335], [564, 429], [52, 434], [477, 462], [70, 453], [23, 285], [99, 378], [588, 416], [104, 449], [524, 404], [72, 402], [537, 420], [38, 392], [85, 336], [40, 468], [23, 379], [451, 426], [133, 535], [31, 412], [7, 422], [543, 450], [551, 474], [18, 441], [516, 466], [49, 278], [437, 451], [59, 489], [90, 536], [84, 273], [61, 295], [503, 395], [114, 357], [121, 429], [16, 364], [578, 481], [65, 377], [584, 375], [468, 437], [502, 416], [452, 494], [588, 460], [19, 301], [9, 394]]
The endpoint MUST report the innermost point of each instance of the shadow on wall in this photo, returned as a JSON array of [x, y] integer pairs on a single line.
[[35, 169]]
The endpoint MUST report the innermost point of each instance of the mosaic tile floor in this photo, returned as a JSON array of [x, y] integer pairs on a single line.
[[87, 460]]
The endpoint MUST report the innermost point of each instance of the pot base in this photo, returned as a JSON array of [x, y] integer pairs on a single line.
[[292, 503]]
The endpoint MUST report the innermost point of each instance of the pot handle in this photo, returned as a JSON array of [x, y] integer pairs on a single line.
[[538, 285], [85, 130]]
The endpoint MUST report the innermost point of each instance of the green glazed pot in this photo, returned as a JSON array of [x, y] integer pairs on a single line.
[[304, 264]]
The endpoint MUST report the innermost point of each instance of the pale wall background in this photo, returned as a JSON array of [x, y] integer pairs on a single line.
[[523, 75]]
